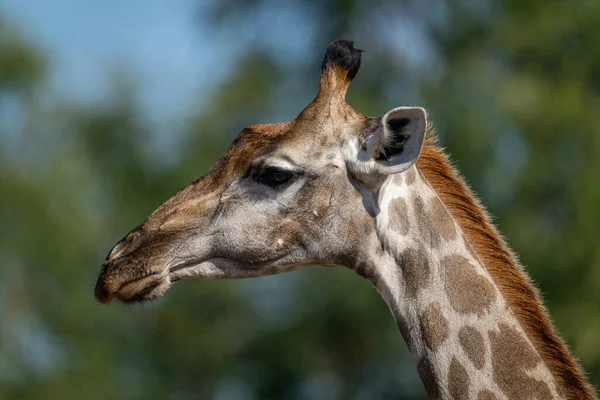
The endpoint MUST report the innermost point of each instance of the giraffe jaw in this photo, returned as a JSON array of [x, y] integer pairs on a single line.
[[224, 268], [154, 286]]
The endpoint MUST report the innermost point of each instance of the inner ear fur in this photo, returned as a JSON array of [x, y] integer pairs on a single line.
[[395, 136], [398, 140]]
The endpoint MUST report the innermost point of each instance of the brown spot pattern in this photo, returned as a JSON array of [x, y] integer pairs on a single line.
[[521, 295], [427, 226], [512, 356], [468, 291], [458, 381], [472, 343], [486, 395], [442, 218], [425, 370], [434, 326], [398, 216], [416, 270]]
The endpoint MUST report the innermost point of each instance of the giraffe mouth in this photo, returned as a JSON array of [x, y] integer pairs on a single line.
[[154, 286], [144, 288], [148, 288]]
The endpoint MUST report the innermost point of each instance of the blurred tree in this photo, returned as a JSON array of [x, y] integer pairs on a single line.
[[513, 88], [22, 66]]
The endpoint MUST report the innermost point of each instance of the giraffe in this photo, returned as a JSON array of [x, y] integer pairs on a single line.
[[378, 196]]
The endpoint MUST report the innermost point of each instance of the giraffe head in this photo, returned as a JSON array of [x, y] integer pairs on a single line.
[[283, 196]]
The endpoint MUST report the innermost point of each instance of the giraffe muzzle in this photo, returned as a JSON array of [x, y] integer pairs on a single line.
[[130, 290]]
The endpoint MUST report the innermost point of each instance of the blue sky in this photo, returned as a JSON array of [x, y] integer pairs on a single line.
[[165, 46], [174, 57], [162, 44]]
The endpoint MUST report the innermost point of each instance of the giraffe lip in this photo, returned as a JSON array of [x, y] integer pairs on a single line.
[[143, 295], [142, 289]]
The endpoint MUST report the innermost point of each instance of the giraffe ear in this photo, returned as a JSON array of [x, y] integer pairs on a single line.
[[397, 142]]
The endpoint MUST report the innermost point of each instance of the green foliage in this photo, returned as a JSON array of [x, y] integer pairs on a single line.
[[513, 88], [21, 65]]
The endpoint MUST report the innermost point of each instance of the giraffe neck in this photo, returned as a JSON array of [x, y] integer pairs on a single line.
[[465, 340]]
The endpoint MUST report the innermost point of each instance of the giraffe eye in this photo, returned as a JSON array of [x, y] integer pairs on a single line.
[[274, 177]]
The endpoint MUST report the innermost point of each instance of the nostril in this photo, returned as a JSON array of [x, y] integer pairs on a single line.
[[119, 248], [116, 251]]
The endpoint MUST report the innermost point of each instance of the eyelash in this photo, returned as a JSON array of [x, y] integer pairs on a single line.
[[273, 177]]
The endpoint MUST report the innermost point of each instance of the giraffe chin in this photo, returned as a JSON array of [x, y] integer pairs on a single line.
[[141, 290]]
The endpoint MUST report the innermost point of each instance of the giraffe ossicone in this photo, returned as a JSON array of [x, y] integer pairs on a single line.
[[377, 195]]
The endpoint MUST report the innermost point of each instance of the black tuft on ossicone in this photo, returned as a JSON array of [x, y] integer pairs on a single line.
[[342, 53]]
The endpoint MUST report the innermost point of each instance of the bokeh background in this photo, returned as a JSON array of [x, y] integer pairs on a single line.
[[108, 108]]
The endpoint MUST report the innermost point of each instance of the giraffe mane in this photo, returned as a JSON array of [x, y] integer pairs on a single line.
[[520, 293]]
